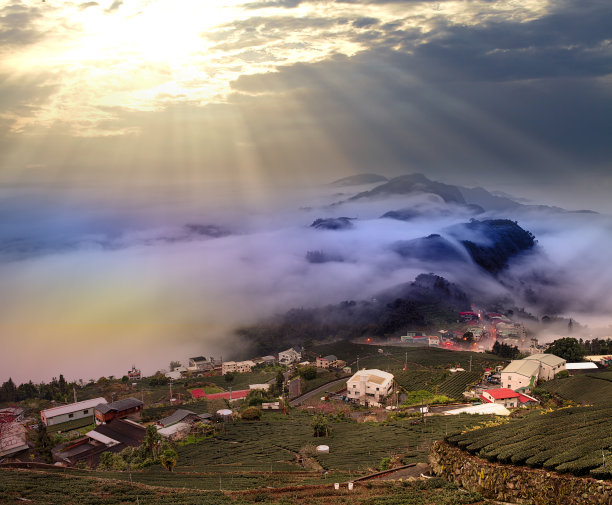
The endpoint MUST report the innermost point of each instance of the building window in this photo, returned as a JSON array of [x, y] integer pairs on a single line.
[[86, 411], [70, 416]]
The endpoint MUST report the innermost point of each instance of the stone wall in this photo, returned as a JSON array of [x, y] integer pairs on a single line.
[[516, 484]]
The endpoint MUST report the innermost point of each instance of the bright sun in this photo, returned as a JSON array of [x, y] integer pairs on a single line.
[[160, 31]]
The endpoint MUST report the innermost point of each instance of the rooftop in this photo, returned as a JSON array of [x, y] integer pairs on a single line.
[[547, 359], [126, 403], [331, 357], [502, 393], [523, 398], [122, 431], [528, 368], [72, 407], [177, 417], [373, 375], [485, 408], [581, 366]]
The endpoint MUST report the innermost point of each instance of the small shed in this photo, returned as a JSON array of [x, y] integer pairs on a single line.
[[175, 432]]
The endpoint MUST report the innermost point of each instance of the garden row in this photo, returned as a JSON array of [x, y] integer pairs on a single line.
[[49, 488], [437, 381], [575, 440], [593, 388]]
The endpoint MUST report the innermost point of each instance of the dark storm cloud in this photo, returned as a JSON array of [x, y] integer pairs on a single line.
[[563, 44], [365, 22], [524, 96]]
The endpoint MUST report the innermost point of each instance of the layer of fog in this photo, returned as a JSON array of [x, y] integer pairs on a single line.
[[87, 311]]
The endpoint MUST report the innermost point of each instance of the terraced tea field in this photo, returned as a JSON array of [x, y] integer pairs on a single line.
[[575, 440], [437, 381], [593, 388], [73, 488], [394, 357]]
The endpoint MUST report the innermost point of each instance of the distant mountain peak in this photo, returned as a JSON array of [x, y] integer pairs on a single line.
[[414, 184], [358, 180]]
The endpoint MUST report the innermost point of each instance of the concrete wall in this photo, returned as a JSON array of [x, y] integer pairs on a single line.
[[514, 381], [516, 484], [77, 414]]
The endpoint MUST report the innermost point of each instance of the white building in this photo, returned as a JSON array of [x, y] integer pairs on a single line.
[[262, 387], [237, 366], [549, 365], [244, 366], [292, 355], [228, 366], [519, 374], [70, 412], [369, 386]]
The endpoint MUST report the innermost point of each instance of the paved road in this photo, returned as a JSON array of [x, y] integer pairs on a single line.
[[315, 392]]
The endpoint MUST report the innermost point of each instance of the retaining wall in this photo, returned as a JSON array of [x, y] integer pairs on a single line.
[[516, 484]]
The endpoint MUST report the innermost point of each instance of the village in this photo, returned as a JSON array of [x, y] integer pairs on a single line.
[[372, 383]]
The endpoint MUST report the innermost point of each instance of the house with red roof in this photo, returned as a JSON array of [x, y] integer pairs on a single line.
[[508, 398]]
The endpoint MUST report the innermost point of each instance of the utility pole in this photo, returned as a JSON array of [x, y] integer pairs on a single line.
[[470, 363], [406, 362], [74, 391], [170, 390]]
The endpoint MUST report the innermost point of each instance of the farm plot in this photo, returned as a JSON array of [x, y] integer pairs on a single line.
[[587, 388], [436, 381], [272, 444], [394, 357], [575, 440], [52, 488], [260, 454], [241, 380]]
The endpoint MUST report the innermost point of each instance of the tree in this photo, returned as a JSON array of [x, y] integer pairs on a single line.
[[229, 376], [308, 372], [468, 336], [8, 391], [505, 350], [43, 443], [27, 390], [152, 441], [168, 459], [174, 365], [256, 397], [280, 380], [567, 348], [63, 385], [320, 426], [251, 414]]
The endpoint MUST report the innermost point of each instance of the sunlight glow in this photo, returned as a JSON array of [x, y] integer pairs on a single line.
[[145, 54]]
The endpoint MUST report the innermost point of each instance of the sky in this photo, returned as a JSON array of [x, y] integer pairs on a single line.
[[123, 121]]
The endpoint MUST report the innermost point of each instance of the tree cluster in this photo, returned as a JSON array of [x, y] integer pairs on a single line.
[[567, 348], [57, 389], [505, 350]]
